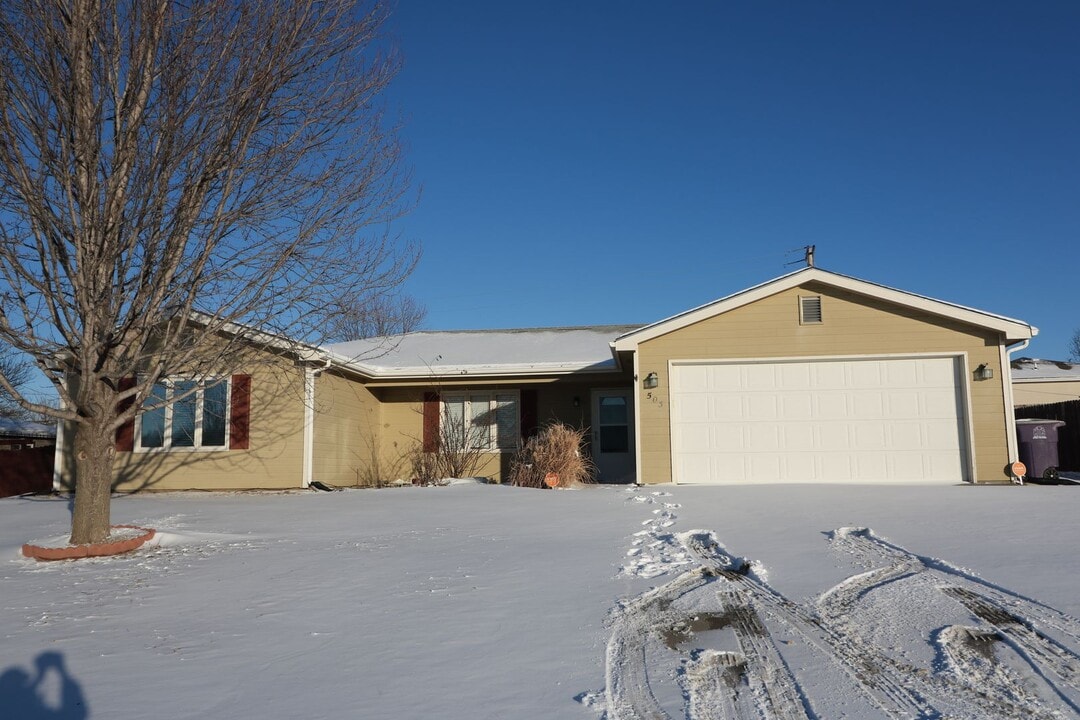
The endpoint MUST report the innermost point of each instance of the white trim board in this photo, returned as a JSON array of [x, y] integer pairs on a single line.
[[1013, 330]]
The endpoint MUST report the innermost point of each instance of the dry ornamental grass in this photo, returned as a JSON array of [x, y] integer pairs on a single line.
[[554, 457]]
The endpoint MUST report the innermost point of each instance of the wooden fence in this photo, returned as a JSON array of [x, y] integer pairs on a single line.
[[1068, 436], [25, 471]]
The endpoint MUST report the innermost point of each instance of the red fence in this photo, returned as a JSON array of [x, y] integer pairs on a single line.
[[1068, 436], [24, 471]]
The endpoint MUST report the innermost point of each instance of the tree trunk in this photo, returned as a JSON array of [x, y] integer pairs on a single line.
[[94, 452]]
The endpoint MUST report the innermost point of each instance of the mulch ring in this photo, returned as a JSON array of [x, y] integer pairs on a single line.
[[103, 549]]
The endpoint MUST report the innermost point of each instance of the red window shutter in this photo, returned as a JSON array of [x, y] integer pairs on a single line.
[[529, 414], [240, 412], [431, 421], [125, 434]]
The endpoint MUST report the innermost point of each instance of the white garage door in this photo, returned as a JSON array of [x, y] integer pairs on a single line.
[[884, 420]]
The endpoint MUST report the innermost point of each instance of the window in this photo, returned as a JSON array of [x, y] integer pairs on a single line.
[[197, 415], [810, 310], [481, 421]]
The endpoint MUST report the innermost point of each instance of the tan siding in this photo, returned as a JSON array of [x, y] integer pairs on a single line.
[[1039, 393], [563, 400], [853, 325], [273, 460], [346, 439]]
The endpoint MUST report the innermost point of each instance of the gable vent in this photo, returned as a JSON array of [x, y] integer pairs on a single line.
[[810, 310]]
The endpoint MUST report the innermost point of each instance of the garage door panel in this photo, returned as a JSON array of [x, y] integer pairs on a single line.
[[938, 374], [834, 436], [797, 405], [765, 468], [798, 437], [763, 438], [696, 438], [904, 404], [728, 438], [938, 405], [795, 377], [828, 376], [865, 375], [761, 377], [906, 435], [694, 408], [763, 406], [899, 373], [724, 377], [868, 404], [940, 435], [831, 406], [871, 436], [818, 420]]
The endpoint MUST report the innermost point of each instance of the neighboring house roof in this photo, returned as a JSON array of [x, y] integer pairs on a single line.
[[1027, 369], [526, 351], [11, 427], [1013, 330]]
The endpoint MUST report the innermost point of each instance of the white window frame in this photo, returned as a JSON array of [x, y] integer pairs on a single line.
[[202, 383], [494, 443]]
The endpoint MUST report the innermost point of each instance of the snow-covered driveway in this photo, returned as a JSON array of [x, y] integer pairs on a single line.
[[493, 602]]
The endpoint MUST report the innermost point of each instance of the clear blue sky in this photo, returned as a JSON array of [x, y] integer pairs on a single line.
[[618, 162]]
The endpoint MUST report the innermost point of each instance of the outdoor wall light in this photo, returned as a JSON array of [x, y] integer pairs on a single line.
[[983, 372], [650, 381]]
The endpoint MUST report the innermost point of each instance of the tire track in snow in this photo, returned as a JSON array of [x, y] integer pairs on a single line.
[[991, 604], [714, 686], [899, 688], [867, 547], [775, 690], [635, 627], [1041, 650], [969, 654], [859, 662]]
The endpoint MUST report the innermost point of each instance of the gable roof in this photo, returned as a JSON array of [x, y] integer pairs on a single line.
[[479, 353], [1013, 330]]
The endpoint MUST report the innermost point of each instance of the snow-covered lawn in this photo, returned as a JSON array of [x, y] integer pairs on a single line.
[[477, 602]]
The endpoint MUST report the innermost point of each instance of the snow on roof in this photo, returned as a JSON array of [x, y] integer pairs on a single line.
[[479, 352], [1027, 369], [12, 427]]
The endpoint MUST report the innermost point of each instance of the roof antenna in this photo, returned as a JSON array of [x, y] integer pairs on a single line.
[[808, 255]]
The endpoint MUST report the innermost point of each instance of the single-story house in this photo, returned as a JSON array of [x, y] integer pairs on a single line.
[[1044, 382], [811, 377], [18, 434]]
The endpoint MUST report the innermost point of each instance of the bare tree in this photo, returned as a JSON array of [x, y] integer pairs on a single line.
[[17, 372], [162, 162], [374, 315], [1074, 347]]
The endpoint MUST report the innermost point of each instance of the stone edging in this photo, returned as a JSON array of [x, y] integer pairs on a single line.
[[73, 552]]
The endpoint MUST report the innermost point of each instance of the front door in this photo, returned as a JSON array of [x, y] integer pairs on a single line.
[[613, 435]]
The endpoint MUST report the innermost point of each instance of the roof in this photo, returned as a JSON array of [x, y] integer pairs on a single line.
[[525, 351], [1027, 369], [1013, 330], [12, 427]]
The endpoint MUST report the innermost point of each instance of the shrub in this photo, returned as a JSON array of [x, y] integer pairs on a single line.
[[554, 457]]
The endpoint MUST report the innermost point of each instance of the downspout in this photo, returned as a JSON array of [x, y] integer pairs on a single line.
[[310, 373], [1010, 410], [58, 453]]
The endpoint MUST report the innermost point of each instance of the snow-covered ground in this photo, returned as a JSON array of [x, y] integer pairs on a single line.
[[477, 601]]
